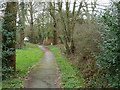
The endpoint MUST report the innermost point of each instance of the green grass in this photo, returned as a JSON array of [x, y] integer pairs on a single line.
[[25, 59], [69, 78]]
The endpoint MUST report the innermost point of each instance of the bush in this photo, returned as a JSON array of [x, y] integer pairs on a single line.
[[107, 59]]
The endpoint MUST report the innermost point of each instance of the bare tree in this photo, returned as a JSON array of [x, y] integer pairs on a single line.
[[22, 13], [68, 27], [33, 8], [31, 22], [52, 13]]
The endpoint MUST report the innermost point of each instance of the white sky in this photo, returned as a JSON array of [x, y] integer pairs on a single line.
[[103, 1], [100, 2]]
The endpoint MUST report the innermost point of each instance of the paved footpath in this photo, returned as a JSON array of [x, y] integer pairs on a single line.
[[44, 73]]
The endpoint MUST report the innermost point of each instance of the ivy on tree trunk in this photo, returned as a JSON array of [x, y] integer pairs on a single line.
[[9, 36]]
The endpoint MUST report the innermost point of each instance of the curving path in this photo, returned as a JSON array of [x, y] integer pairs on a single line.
[[44, 73]]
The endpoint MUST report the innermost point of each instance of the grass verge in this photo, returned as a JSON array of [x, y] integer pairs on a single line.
[[25, 59], [69, 78]]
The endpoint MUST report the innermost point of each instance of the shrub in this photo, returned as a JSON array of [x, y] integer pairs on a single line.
[[107, 59]]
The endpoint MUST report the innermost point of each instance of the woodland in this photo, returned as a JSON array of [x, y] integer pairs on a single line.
[[83, 35]]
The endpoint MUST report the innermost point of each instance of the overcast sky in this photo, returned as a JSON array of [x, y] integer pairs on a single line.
[[100, 2], [103, 1]]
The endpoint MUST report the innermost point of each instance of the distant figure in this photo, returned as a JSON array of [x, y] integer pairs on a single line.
[[26, 39]]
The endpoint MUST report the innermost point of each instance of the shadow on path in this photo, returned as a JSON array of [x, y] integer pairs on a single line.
[[44, 73]]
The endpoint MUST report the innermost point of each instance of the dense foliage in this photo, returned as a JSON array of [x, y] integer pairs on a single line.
[[9, 37], [107, 60]]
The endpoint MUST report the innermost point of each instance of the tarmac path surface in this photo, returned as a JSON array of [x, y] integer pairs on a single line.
[[44, 73]]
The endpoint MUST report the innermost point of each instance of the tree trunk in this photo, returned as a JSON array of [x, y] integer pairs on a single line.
[[31, 24], [52, 13], [67, 23], [22, 21], [22, 38], [66, 37], [54, 35], [9, 41]]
